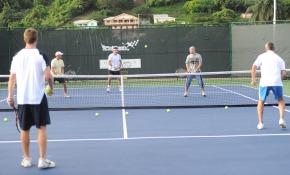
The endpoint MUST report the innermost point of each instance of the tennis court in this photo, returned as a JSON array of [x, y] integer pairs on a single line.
[[198, 135], [184, 141]]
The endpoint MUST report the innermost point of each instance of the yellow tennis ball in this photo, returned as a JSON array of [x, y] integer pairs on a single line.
[[5, 119], [145, 46], [168, 110], [127, 113], [97, 114], [226, 107], [48, 91]]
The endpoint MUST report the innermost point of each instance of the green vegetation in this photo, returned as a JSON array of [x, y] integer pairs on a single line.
[[61, 13]]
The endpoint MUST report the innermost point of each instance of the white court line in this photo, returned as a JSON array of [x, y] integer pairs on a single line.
[[161, 137], [236, 93], [246, 96]]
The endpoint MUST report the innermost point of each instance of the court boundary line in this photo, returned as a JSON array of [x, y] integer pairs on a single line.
[[157, 137], [247, 96]]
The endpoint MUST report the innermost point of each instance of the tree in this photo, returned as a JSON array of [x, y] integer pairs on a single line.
[[144, 9], [157, 3], [125, 4], [263, 10], [199, 6], [236, 5], [287, 8], [225, 15], [9, 15]]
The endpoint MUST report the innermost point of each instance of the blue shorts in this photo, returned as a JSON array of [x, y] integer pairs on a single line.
[[264, 92], [199, 80]]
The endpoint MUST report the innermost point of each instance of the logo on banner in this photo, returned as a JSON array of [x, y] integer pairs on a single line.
[[124, 47]]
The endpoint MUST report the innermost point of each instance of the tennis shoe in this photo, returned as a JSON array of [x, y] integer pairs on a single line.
[[26, 162], [203, 94], [260, 126], [66, 96], [120, 89], [45, 163], [185, 94], [108, 89], [282, 123]]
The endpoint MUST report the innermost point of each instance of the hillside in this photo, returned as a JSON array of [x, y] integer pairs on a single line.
[[55, 13]]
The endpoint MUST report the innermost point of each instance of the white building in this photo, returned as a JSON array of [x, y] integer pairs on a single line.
[[86, 23], [160, 18], [246, 15]]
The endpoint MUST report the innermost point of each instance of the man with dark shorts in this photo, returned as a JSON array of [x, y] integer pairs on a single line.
[[57, 68], [114, 65], [193, 64], [29, 69], [272, 71]]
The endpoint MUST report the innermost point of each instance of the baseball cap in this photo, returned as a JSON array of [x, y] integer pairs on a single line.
[[58, 53], [115, 48]]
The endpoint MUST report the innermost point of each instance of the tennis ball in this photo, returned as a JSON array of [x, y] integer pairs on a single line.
[[168, 110], [5, 119], [127, 113], [226, 107], [47, 90], [97, 114], [145, 45]]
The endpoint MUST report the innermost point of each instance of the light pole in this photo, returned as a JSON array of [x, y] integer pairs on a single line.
[[275, 11]]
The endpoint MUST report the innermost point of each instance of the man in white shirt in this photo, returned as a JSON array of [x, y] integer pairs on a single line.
[[272, 71], [114, 65], [57, 68], [29, 69]]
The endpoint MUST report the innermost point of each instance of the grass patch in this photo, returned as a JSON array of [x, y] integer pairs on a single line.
[[174, 10]]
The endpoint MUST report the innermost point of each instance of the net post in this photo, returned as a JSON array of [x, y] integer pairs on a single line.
[[125, 133]]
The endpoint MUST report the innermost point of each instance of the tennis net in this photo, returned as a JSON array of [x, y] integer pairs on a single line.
[[231, 88]]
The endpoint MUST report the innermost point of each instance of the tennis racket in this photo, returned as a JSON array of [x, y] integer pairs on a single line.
[[125, 66], [180, 70], [16, 115], [16, 118]]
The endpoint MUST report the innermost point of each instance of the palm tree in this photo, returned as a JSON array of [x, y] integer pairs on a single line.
[[263, 10]]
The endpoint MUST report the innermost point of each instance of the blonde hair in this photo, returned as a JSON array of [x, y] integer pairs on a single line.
[[30, 35]]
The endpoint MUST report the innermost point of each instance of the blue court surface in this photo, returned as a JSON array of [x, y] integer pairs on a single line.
[[195, 141]]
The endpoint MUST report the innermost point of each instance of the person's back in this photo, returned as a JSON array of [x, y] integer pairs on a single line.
[[272, 71], [29, 66], [271, 67], [29, 70]]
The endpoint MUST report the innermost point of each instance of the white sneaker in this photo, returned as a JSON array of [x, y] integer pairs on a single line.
[[108, 89], [45, 163], [260, 126], [203, 94], [26, 162], [120, 89], [185, 94], [66, 96], [282, 123]]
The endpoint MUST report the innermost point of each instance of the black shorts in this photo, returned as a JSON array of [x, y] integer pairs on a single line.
[[114, 72], [60, 80], [30, 115]]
